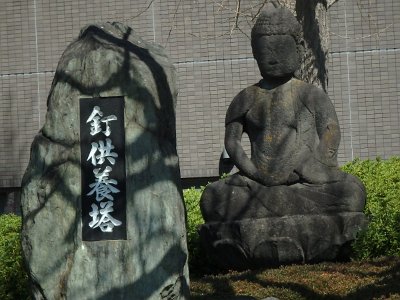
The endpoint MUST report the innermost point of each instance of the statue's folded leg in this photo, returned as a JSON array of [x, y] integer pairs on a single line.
[[347, 195], [237, 198], [227, 199]]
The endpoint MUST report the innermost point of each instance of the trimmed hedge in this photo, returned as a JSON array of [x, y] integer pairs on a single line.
[[381, 238], [382, 181], [14, 282], [197, 257]]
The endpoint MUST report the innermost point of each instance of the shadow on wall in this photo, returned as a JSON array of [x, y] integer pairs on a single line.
[[51, 174]]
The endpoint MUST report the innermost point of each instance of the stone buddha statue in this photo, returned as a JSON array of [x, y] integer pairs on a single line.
[[294, 136]]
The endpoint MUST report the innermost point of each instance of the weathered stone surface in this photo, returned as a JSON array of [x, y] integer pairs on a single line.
[[256, 243], [294, 135], [108, 60], [238, 197], [292, 172]]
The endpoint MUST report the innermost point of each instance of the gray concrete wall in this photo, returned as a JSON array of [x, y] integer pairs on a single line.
[[364, 76], [213, 65]]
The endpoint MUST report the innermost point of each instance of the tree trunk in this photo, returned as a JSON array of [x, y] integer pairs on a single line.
[[312, 15]]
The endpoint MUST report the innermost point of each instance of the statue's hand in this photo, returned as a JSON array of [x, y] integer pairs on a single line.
[[314, 171], [271, 180]]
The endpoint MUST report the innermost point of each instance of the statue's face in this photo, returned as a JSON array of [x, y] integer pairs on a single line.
[[276, 55]]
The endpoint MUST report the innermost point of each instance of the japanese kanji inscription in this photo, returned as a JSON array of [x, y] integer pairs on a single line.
[[103, 169]]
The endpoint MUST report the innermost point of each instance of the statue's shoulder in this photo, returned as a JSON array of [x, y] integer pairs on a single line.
[[305, 88], [241, 104], [310, 94], [310, 89]]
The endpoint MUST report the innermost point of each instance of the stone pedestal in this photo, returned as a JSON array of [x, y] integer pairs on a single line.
[[108, 60], [256, 243]]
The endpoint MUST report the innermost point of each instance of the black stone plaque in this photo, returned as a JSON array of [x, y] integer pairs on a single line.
[[103, 169]]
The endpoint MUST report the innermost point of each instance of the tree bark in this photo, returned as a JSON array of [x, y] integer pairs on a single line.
[[312, 15]]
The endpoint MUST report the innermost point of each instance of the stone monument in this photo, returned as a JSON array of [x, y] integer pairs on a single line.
[[103, 212], [289, 202]]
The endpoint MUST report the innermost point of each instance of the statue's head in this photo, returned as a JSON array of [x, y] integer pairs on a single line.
[[275, 39]]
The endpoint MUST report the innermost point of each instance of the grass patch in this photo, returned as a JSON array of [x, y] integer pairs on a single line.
[[372, 279]]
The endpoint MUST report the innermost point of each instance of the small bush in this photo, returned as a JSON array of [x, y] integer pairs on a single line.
[[194, 219], [382, 181], [14, 282]]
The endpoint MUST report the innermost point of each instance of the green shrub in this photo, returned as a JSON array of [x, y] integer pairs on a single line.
[[382, 181], [194, 219], [14, 282], [381, 238]]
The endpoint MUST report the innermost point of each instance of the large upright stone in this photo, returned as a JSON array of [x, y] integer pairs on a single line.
[[108, 60]]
